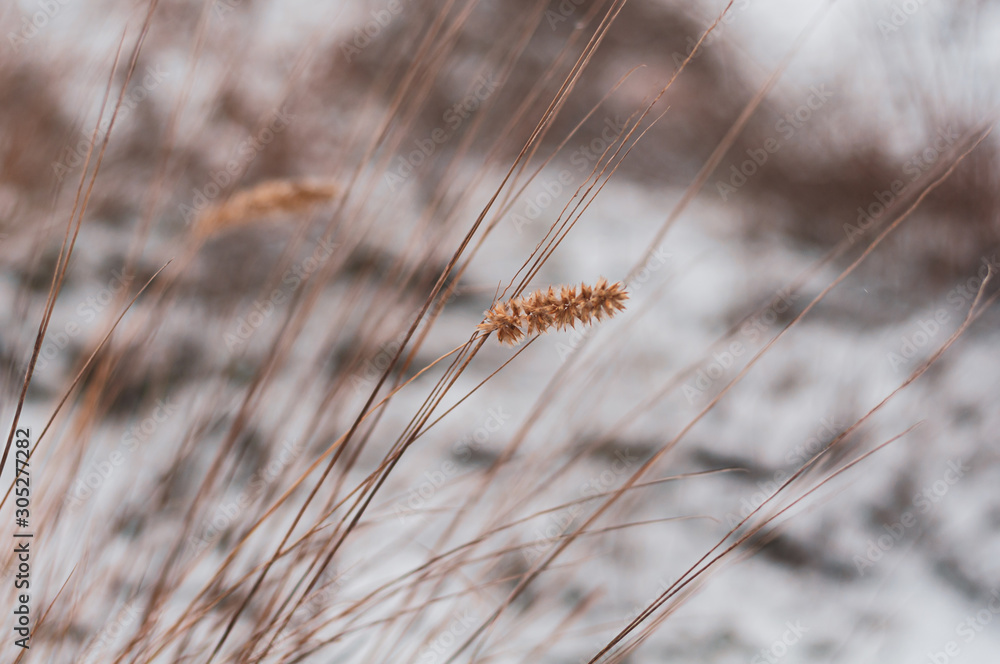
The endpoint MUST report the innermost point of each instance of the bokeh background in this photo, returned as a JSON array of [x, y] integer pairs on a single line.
[[762, 176]]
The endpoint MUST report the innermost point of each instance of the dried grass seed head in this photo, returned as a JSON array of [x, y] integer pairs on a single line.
[[542, 310]]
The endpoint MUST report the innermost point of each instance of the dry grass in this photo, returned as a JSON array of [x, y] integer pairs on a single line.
[[233, 470], [264, 200]]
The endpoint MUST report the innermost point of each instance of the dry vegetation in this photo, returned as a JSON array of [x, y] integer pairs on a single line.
[[245, 276]]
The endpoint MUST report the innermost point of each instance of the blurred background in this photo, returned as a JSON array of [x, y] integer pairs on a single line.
[[821, 166]]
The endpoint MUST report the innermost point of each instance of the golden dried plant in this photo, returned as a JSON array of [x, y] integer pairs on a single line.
[[263, 200], [542, 310]]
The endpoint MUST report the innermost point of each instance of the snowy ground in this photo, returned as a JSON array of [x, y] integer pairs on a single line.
[[893, 561]]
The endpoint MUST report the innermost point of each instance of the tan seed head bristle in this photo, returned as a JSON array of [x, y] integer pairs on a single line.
[[263, 200], [542, 310], [566, 308]]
